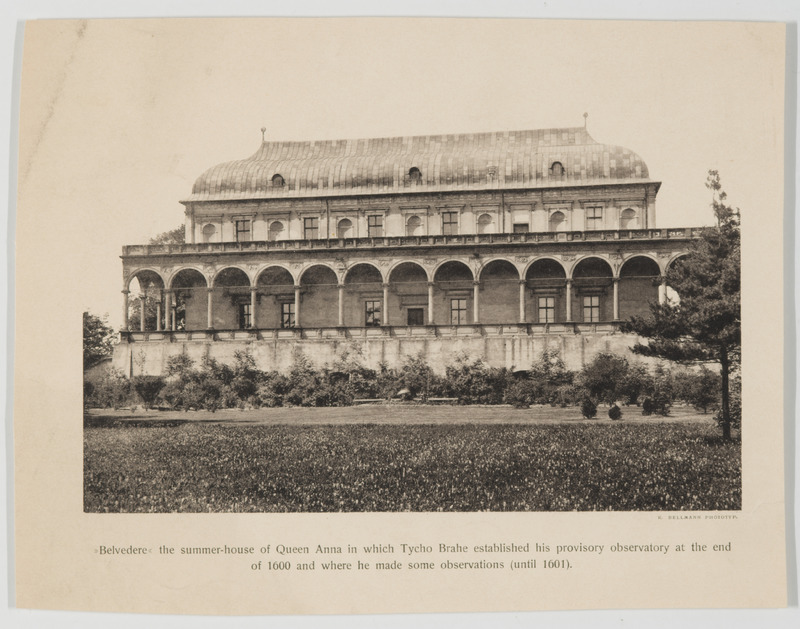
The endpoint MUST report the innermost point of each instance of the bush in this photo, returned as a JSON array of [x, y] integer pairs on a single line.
[[588, 408], [656, 405], [604, 376], [111, 390], [148, 388], [522, 393], [701, 389], [614, 412], [553, 379], [474, 382]]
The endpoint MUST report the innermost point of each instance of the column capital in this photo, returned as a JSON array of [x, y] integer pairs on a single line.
[[568, 281], [523, 282], [385, 285], [125, 291], [615, 280], [431, 284], [476, 282], [297, 287], [254, 289], [340, 286], [209, 290]]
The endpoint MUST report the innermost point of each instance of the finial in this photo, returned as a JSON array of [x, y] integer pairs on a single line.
[[585, 118], [263, 131]]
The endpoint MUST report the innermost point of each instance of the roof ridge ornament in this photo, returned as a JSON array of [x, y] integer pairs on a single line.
[[585, 119], [263, 131]]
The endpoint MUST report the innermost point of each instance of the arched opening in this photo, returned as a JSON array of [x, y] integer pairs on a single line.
[[638, 286], [557, 169], [146, 306], [627, 219], [592, 299], [545, 283], [670, 295], [319, 298], [275, 299], [209, 233], [499, 293], [278, 181], [414, 175], [558, 222], [231, 305], [414, 226], [189, 303], [485, 224], [363, 298], [275, 231], [345, 228], [452, 300], [408, 295]]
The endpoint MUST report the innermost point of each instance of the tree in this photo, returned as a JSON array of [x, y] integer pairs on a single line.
[[704, 324], [98, 339], [175, 236], [604, 377]]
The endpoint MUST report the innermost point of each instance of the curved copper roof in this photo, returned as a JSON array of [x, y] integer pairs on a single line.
[[469, 161]]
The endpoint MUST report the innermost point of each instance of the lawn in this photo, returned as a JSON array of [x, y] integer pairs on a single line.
[[280, 467]]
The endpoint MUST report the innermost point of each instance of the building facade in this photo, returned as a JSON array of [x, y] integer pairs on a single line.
[[496, 245]]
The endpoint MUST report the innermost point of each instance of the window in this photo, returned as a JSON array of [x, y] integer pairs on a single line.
[[414, 175], [594, 218], [414, 226], [244, 316], [278, 181], [375, 225], [275, 230], [485, 224], [208, 232], [416, 316], [449, 223], [627, 219], [287, 314], [458, 311], [243, 230], [558, 222], [310, 228], [372, 313], [591, 308], [547, 309], [557, 169], [345, 228], [521, 228]]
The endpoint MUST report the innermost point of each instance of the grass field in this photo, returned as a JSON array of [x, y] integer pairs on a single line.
[[282, 467]]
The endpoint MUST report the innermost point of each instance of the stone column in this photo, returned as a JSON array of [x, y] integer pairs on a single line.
[[430, 303], [210, 295], [173, 310], [616, 298], [385, 305], [522, 284], [158, 310], [569, 301], [476, 309], [253, 302], [125, 323], [297, 306], [662, 290], [142, 303], [341, 304]]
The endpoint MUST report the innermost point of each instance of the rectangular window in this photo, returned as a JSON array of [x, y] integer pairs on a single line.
[[416, 316], [287, 314], [243, 230], [594, 218], [375, 226], [547, 309], [244, 316], [311, 228], [591, 308], [458, 311], [521, 228], [449, 223], [372, 313]]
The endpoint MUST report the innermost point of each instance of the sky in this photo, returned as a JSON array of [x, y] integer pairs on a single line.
[[118, 118]]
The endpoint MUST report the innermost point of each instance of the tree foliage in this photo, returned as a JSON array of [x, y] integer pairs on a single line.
[[704, 324], [98, 339], [175, 236]]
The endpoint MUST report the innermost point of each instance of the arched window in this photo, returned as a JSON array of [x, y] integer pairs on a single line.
[[485, 224], [278, 181], [275, 231], [345, 228], [558, 222], [208, 232], [627, 219], [557, 169], [414, 226], [414, 175]]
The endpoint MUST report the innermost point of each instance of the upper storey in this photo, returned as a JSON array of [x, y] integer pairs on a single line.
[[542, 158]]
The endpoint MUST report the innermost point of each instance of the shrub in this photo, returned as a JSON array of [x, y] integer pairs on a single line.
[[474, 382], [588, 408], [701, 389], [656, 405], [522, 393], [553, 379], [614, 412], [602, 378], [111, 390], [148, 388]]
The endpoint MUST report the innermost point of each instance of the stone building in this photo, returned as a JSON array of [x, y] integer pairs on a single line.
[[491, 244]]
